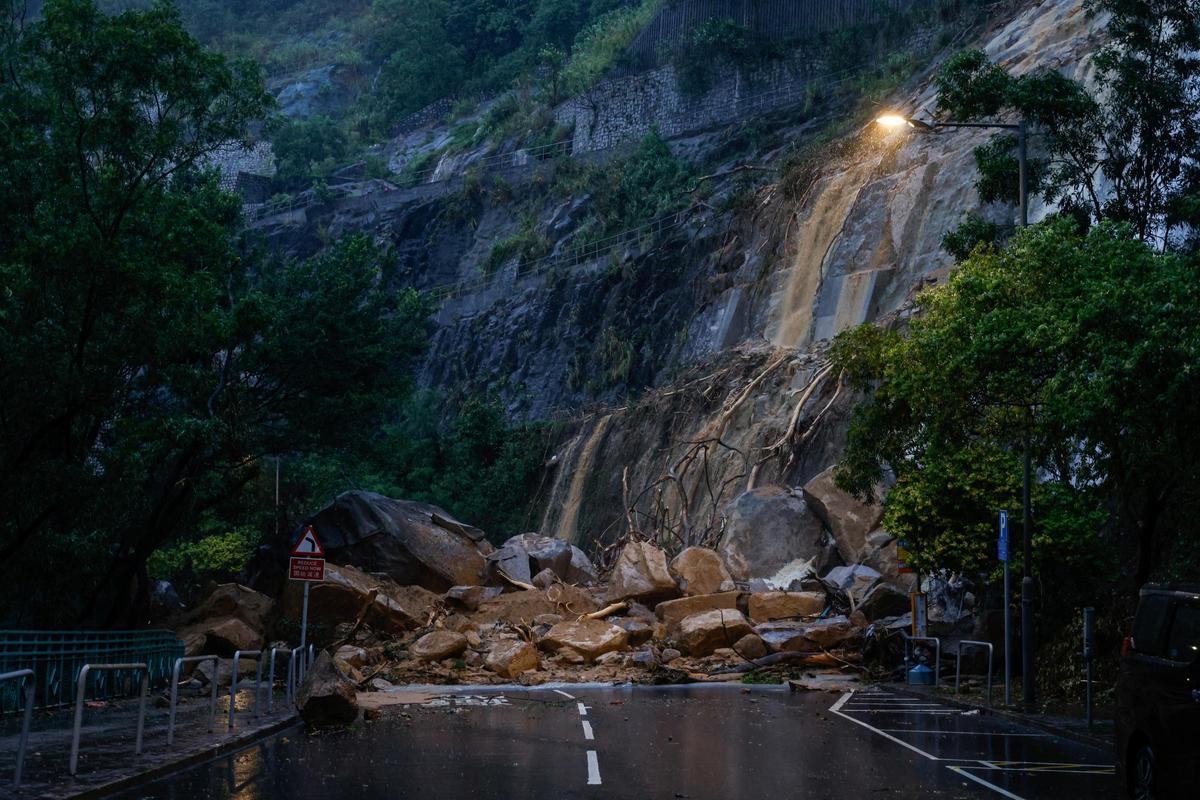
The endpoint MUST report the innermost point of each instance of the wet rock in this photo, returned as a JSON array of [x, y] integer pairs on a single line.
[[547, 619], [351, 656], [545, 579], [458, 623], [521, 607], [639, 632], [641, 573], [473, 638], [439, 645], [222, 671], [884, 600], [193, 642], [767, 606], [611, 659], [411, 543], [806, 637], [698, 570], [853, 581], [380, 685], [469, 597], [523, 557], [229, 635], [643, 658], [703, 633], [326, 696], [750, 646], [670, 654], [849, 519], [235, 600], [510, 659], [346, 589], [769, 527], [472, 659], [589, 638], [672, 612]]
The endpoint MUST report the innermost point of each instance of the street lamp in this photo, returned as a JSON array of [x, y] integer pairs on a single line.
[[894, 120]]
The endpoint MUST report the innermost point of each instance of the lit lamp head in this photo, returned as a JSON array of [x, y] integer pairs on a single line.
[[893, 121]]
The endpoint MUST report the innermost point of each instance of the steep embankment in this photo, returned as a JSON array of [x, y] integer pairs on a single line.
[[855, 246]]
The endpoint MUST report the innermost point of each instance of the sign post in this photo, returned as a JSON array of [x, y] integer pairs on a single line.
[[307, 564], [1002, 552]]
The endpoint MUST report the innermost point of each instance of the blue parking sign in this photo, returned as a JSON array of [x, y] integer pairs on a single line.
[[1002, 542]]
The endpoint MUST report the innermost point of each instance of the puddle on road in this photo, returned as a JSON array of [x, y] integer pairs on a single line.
[[377, 700]]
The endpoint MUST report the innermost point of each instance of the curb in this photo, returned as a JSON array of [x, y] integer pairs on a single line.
[[1031, 720], [160, 770]]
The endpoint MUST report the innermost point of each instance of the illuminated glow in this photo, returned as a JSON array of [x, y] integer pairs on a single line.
[[893, 121]]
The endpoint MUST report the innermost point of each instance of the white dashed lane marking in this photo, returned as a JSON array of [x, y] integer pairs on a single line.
[[587, 731], [565, 694], [593, 768], [582, 709]]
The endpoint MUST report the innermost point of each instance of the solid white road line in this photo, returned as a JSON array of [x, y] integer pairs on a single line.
[[982, 782], [594, 769], [836, 708], [587, 730], [959, 733], [582, 709], [564, 694]]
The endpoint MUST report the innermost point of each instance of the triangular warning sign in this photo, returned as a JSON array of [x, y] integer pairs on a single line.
[[309, 545]]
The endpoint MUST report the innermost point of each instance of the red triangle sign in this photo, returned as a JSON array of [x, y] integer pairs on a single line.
[[309, 545]]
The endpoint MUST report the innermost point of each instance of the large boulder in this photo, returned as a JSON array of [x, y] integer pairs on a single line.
[[345, 590], [699, 570], [767, 606], [235, 600], [225, 637], [439, 645], [510, 658], [589, 638], [469, 597], [769, 527], [850, 519], [672, 612], [806, 637], [853, 581], [703, 633], [523, 557], [326, 696], [517, 608], [412, 543], [641, 573], [884, 600]]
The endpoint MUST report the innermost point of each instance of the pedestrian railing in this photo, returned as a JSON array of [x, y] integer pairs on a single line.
[[143, 669], [233, 681], [56, 658], [967, 643], [23, 676], [271, 678], [212, 703], [937, 658]]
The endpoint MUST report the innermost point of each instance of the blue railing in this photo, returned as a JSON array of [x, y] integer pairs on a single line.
[[56, 657]]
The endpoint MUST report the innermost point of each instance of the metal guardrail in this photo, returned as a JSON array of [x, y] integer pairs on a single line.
[[937, 659], [958, 666], [233, 681], [56, 658], [26, 676], [212, 703], [79, 696]]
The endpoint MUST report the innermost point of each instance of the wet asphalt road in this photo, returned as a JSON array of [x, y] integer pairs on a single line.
[[698, 742]]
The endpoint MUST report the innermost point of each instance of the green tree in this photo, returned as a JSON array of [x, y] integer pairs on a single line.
[[1124, 151], [1085, 344], [306, 150], [147, 361]]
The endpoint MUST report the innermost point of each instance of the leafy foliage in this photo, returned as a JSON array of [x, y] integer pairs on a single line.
[[1080, 343], [307, 149], [1122, 152]]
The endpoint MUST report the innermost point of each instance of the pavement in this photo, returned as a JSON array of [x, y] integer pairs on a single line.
[[107, 761], [700, 741]]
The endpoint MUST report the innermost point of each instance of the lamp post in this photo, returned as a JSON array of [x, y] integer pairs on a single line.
[[1027, 633]]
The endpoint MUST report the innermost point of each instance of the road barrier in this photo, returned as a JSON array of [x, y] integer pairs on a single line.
[[958, 667], [233, 681], [26, 676], [212, 703], [271, 678], [80, 691], [937, 659]]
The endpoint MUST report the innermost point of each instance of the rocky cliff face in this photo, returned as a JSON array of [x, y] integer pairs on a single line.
[[698, 349]]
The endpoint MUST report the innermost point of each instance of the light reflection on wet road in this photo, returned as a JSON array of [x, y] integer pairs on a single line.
[[697, 742]]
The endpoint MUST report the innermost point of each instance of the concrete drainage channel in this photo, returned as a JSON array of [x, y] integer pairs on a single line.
[[67, 758]]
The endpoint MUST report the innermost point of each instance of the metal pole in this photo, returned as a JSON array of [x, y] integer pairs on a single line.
[[1007, 639], [1027, 663], [304, 618], [1023, 173], [1088, 634]]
